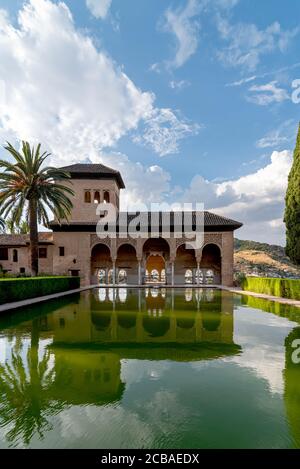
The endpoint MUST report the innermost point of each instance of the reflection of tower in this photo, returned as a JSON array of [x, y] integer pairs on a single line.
[[292, 386], [87, 377]]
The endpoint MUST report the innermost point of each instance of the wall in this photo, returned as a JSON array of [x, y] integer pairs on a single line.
[[83, 211]]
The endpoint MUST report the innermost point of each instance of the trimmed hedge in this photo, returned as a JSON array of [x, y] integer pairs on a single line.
[[17, 289], [282, 287]]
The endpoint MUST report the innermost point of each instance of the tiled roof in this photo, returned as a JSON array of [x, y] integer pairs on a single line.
[[23, 240], [88, 171], [211, 220]]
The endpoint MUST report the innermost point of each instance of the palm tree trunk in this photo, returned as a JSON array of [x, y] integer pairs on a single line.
[[34, 239]]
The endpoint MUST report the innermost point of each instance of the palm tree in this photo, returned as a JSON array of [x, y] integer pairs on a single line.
[[2, 225], [26, 401], [27, 186], [13, 228]]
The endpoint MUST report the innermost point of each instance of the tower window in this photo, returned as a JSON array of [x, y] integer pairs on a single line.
[[15, 255], [106, 197], [42, 253], [61, 251], [97, 197], [87, 197]]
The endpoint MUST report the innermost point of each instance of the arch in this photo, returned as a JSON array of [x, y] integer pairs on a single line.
[[122, 276], [211, 261], [155, 265], [157, 245], [211, 321], [185, 323], [103, 242], [216, 243], [106, 197], [184, 265], [127, 264], [87, 197], [127, 320], [101, 276], [199, 277], [101, 321], [97, 197], [156, 251], [125, 249], [156, 327], [188, 276], [100, 261]]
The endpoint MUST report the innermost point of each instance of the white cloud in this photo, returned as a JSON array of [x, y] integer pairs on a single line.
[[183, 25], [99, 8], [263, 95], [284, 134], [247, 43], [179, 85], [74, 97], [75, 100], [164, 130], [256, 199]]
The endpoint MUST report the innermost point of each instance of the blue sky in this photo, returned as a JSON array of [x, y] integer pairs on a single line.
[[190, 99]]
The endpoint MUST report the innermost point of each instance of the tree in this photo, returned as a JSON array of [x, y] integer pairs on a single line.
[[2, 225], [28, 189], [17, 228], [26, 402], [292, 210]]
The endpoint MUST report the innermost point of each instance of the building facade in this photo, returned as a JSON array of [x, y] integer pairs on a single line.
[[73, 247]]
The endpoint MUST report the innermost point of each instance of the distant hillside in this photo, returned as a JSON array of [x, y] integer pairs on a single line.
[[253, 258]]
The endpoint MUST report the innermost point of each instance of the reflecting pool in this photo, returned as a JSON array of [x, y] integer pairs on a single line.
[[150, 368]]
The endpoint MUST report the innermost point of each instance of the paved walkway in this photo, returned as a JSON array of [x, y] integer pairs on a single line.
[[285, 301], [31, 301]]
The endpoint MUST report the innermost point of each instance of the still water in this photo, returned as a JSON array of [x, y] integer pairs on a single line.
[[150, 368]]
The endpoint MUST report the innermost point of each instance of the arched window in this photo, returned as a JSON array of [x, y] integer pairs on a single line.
[[97, 197], [188, 276], [210, 277], [106, 197], [122, 277], [199, 274], [87, 197], [154, 276], [110, 276], [15, 255], [101, 276]]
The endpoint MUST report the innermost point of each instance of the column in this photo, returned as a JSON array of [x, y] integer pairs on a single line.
[[172, 273], [114, 272], [198, 273], [139, 272]]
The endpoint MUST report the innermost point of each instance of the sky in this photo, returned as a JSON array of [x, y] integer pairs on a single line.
[[192, 100]]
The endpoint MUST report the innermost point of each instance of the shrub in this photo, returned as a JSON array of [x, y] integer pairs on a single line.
[[281, 287], [17, 289], [239, 278]]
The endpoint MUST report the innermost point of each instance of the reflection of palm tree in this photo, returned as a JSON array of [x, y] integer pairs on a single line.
[[25, 400]]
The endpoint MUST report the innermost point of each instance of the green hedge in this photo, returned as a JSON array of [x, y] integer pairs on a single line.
[[17, 289], [282, 287]]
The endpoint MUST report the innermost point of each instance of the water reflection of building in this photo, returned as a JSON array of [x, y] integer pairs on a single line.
[[91, 335], [151, 317], [86, 377]]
